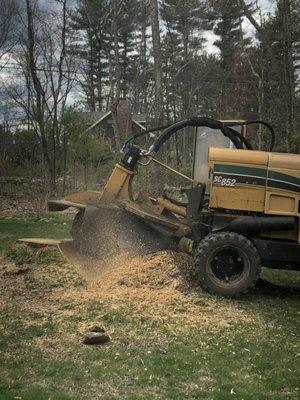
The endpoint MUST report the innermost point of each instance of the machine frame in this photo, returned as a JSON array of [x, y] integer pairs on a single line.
[[246, 221]]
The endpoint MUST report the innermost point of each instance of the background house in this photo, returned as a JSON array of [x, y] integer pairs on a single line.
[[129, 122]]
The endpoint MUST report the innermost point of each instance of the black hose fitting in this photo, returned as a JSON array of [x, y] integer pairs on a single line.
[[130, 156]]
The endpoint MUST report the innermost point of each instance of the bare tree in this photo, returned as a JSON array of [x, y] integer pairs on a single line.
[[48, 74], [8, 15]]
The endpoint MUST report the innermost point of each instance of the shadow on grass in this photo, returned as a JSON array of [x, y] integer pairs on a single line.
[[267, 288]]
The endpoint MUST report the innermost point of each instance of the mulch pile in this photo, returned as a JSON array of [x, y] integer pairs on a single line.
[[160, 286]]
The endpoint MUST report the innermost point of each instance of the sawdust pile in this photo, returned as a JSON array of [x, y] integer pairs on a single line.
[[149, 278], [160, 285], [164, 272]]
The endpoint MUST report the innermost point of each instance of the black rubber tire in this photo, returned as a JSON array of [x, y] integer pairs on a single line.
[[229, 241]]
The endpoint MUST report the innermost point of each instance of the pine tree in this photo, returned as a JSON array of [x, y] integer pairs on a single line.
[[231, 43], [89, 28], [234, 96], [140, 68], [127, 23], [183, 41], [184, 18], [108, 48], [280, 83]]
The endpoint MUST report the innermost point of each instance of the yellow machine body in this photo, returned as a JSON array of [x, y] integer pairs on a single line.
[[255, 181]]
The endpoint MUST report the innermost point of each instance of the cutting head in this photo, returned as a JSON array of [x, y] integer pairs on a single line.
[[101, 233]]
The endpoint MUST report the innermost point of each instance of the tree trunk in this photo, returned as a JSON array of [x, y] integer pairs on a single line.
[[91, 72], [159, 100], [289, 72], [64, 161], [143, 66], [110, 77], [40, 98], [99, 83], [118, 74]]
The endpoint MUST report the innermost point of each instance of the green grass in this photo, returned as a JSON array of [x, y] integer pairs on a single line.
[[51, 226], [148, 358], [290, 279], [21, 254]]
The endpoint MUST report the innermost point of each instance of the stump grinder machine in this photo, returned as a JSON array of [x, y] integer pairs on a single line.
[[244, 214]]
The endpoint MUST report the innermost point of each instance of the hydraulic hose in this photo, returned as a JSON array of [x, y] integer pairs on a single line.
[[266, 124], [237, 139], [143, 133]]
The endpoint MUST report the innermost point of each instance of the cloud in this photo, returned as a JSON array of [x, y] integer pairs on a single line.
[[209, 44]]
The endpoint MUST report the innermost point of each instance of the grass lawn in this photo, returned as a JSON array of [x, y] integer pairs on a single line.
[[250, 351], [52, 226]]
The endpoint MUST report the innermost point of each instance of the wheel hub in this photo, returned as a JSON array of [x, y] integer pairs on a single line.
[[227, 264]]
